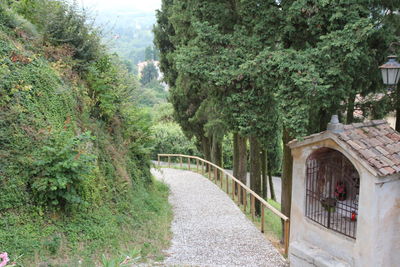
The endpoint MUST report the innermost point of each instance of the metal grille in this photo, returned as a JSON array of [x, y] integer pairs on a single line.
[[332, 191]]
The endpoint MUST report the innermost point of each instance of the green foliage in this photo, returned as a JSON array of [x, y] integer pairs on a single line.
[[119, 223], [272, 65], [163, 113], [75, 146], [151, 53], [14, 21], [149, 73], [67, 24], [169, 138], [227, 152], [152, 94], [53, 244], [101, 76], [60, 168]]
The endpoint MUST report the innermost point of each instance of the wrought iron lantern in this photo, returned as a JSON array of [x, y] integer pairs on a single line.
[[391, 71]]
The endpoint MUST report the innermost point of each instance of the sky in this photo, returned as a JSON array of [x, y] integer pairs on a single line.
[[126, 5]]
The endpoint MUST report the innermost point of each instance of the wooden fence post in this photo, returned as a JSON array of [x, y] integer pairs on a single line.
[[252, 207], [244, 195], [180, 161], [189, 164], [197, 165], [202, 167], [215, 175], [158, 157], [262, 218], [233, 189], [287, 228], [169, 162], [220, 178], [209, 171], [227, 184]]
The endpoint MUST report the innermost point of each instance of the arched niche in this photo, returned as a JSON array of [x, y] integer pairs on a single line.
[[332, 190]]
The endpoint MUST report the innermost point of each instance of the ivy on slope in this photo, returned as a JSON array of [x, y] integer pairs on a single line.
[[74, 150]]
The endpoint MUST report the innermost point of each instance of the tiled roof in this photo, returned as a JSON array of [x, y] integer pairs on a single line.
[[376, 143]]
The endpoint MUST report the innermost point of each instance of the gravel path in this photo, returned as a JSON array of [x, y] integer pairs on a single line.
[[276, 180], [209, 229]]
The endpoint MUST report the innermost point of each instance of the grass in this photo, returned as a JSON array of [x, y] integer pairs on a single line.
[[135, 228], [272, 222]]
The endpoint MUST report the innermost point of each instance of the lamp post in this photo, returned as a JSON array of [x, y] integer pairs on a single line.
[[390, 76], [391, 71]]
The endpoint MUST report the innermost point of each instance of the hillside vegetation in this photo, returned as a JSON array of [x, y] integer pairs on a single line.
[[75, 173]]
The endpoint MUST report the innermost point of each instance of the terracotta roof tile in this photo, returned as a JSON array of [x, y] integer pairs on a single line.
[[384, 139], [397, 146], [361, 144], [386, 171], [367, 153], [354, 136], [361, 133], [375, 163], [344, 136], [376, 143], [387, 161], [396, 168], [354, 145], [373, 132], [358, 124], [391, 148], [382, 150], [365, 142], [395, 160], [377, 122], [394, 136], [390, 170], [374, 150]]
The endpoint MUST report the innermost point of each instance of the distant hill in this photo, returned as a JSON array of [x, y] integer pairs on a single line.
[[127, 33]]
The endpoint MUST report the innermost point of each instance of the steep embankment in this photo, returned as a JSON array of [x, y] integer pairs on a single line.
[[74, 149]]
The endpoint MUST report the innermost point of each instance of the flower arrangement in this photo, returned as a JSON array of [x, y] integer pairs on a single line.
[[340, 191], [4, 259]]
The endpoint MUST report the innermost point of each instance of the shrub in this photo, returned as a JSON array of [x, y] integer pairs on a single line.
[[163, 113], [60, 168], [169, 138], [10, 19]]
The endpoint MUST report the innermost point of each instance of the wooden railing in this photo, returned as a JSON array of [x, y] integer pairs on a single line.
[[237, 188]]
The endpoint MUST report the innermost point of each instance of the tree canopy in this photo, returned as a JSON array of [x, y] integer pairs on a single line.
[[272, 69]]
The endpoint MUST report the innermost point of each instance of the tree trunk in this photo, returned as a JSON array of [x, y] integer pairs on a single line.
[[242, 162], [287, 169], [255, 169], [264, 174], [216, 154], [206, 147], [350, 109], [271, 183], [235, 154]]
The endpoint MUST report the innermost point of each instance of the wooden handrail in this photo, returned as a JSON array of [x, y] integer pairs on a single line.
[[253, 195]]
